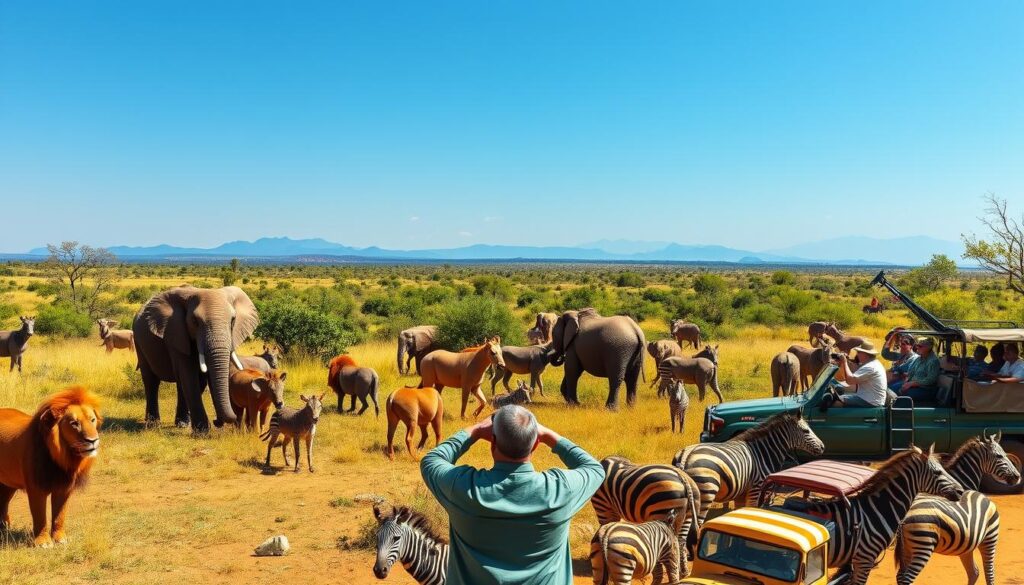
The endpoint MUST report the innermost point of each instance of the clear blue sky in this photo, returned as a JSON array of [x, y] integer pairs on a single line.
[[426, 124]]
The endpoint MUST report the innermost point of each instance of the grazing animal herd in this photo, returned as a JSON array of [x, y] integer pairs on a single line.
[[649, 514]]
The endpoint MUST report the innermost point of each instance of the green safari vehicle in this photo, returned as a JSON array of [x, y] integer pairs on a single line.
[[963, 408]]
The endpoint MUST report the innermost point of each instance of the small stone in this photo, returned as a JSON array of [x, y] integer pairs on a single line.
[[368, 498], [275, 546]]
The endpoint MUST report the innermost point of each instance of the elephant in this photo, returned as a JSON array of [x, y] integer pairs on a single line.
[[816, 332], [785, 370], [188, 336], [811, 361], [522, 360], [606, 347], [540, 333], [416, 342], [683, 331], [660, 350]]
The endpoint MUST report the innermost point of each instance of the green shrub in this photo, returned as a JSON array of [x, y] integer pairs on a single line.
[[44, 289], [494, 286], [587, 296], [825, 285], [783, 277], [845, 315], [743, 298], [63, 320], [949, 304], [7, 311], [763, 314], [708, 284], [293, 326], [469, 321], [629, 279]]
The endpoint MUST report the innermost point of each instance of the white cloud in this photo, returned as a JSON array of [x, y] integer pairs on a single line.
[[466, 234], [491, 218], [414, 218]]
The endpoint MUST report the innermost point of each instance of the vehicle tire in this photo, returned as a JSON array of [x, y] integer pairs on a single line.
[[1015, 452]]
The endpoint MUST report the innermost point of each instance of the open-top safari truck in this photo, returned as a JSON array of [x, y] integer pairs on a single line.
[[963, 407], [778, 543]]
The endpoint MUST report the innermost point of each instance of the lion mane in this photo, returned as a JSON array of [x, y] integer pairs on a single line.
[[339, 362], [55, 466]]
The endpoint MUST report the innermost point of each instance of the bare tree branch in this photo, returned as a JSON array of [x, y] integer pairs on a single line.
[[1004, 253]]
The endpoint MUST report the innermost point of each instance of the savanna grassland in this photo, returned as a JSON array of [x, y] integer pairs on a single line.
[[164, 505]]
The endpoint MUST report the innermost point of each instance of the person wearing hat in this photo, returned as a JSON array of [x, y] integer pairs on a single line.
[[923, 377], [510, 523], [901, 360], [868, 380]]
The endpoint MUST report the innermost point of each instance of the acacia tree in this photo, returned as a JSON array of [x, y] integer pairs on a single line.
[[1003, 253], [86, 271]]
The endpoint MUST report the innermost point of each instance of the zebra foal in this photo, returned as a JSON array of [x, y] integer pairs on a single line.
[[292, 423], [621, 552]]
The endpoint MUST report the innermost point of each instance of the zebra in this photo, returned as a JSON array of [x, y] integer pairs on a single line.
[[736, 468], [642, 493], [291, 423], [407, 536], [521, 395], [621, 552], [934, 525], [678, 402], [865, 526]]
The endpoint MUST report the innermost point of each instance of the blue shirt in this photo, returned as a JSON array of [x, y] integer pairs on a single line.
[[510, 524]]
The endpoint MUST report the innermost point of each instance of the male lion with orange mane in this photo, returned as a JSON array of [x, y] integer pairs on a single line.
[[48, 455]]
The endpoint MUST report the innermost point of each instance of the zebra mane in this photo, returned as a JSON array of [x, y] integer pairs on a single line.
[[766, 428], [418, 522], [969, 445], [890, 470]]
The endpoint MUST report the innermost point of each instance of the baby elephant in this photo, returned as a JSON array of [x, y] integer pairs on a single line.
[[290, 423], [785, 374], [252, 392], [521, 395], [622, 551]]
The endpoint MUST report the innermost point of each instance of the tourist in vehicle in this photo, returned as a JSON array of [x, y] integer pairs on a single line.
[[867, 381], [976, 366], [998, 359], [923, 377], [1012, 371], [901, 359]]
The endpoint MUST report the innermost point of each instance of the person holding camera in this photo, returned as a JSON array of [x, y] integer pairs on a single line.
[[510, 523], [867, 381]]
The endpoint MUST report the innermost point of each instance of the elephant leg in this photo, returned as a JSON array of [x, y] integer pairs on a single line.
[[151, 384], [632, 377], [191, 387], [613, 393], [366, 404], [182, 419], [570, 379]]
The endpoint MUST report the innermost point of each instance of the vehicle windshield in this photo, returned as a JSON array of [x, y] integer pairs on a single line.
[[825, 378], [750, 555]]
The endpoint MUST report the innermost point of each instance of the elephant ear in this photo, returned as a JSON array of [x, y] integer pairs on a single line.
[[164, 314], [246, 317], [572, 327]]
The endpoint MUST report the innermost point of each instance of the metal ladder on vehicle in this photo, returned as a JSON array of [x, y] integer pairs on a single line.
[[901, 424]]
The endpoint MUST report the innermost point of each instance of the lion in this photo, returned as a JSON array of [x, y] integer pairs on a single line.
[[48, 454]]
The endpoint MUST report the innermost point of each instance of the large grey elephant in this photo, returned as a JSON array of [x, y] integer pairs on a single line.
[[606, 347], [188, 336], [416, 343], [683, 331]]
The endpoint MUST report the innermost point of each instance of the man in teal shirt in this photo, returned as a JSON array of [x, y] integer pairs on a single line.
[[510, 524]]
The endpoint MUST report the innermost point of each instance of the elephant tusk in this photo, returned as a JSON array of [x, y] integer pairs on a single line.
[[238, 362], [202, 362]]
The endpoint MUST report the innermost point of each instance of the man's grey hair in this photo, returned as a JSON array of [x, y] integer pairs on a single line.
[[515, 431]]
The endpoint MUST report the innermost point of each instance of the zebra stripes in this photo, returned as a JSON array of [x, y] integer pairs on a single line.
[[621, 552], [934, 525], [728, 471], [406, 536], [642, 493], [678, 402], [866, 526]]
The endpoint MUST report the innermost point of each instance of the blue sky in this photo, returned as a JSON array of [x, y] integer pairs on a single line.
[[432, 124]]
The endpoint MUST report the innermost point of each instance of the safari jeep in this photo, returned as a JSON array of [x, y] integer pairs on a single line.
[[767, 547], [963, 408]]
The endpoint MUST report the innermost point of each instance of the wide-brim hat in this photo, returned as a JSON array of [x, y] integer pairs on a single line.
[[866, 347]]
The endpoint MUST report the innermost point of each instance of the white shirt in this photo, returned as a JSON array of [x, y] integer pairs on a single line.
[[870, 383], [1012, 370]]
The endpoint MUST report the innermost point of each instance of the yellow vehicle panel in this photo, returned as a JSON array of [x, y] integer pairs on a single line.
[[771, 527]]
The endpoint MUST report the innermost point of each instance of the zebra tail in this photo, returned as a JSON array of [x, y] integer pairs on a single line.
[[897, 555]]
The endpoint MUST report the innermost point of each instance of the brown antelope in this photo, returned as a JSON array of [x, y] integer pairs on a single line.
[[115, 338], [462, 370]]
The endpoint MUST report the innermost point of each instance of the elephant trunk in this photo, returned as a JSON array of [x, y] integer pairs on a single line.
[[216, 358], [556, 358], [401, 356]]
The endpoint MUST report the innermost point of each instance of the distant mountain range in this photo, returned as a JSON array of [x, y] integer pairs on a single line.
[[846, 251]]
